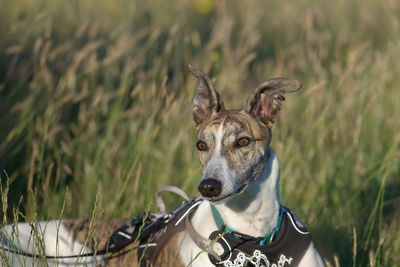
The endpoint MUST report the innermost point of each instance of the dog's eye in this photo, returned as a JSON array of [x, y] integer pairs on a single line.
[[201, 146], [244, 141]]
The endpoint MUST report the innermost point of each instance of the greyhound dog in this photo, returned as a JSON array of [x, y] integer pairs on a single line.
[[237, 221]]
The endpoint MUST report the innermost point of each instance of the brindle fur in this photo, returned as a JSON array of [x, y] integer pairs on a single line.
[[248, 161], [169, 255], [101, 232]]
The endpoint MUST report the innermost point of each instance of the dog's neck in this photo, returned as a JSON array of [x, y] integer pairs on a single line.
[[255, 211]]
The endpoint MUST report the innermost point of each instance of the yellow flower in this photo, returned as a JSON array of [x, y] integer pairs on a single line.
[[215, 56], [204, 6]]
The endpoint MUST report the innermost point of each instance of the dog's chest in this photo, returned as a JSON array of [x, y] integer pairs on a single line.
[[253, 224]]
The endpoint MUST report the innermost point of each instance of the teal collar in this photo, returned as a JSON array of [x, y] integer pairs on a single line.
[[222, 226]]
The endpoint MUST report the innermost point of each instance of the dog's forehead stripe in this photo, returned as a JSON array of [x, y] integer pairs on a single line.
[[218, 138]]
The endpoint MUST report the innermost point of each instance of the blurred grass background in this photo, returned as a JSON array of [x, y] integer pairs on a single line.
[[95, 96]]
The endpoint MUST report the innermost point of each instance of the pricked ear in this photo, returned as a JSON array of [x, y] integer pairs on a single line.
[[266, 100], [206, 100]]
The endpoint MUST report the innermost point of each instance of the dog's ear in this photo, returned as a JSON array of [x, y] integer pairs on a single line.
[[266, 100], [206, 99]]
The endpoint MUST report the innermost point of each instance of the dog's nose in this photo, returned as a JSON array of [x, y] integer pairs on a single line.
[[210, 187]]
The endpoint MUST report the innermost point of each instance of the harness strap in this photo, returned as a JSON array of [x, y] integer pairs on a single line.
[[171, 188]]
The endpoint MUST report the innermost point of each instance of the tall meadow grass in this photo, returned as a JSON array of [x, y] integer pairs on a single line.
[[95, 99]]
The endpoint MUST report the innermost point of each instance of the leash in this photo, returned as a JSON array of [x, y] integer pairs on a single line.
[[89, 254], [160, 201], [202, 242]]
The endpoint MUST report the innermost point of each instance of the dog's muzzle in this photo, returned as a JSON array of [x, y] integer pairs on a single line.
[[210, 188]]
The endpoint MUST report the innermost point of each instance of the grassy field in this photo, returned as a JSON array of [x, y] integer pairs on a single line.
[[95, 99]]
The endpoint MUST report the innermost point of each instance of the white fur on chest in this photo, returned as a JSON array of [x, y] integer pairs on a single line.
[[204, 224]]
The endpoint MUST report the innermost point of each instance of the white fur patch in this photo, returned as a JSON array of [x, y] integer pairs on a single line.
[[52, 239], [219, 166]]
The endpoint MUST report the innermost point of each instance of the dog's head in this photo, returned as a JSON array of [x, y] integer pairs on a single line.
[[232, 144]]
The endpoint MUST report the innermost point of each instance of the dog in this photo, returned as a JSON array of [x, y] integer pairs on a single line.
[[237, 221]]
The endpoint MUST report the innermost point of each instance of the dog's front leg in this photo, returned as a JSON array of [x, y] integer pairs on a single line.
[[311, 258]]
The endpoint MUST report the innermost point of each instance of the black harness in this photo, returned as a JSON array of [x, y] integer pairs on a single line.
[[151, 231], [288, 246], [235, 249]]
